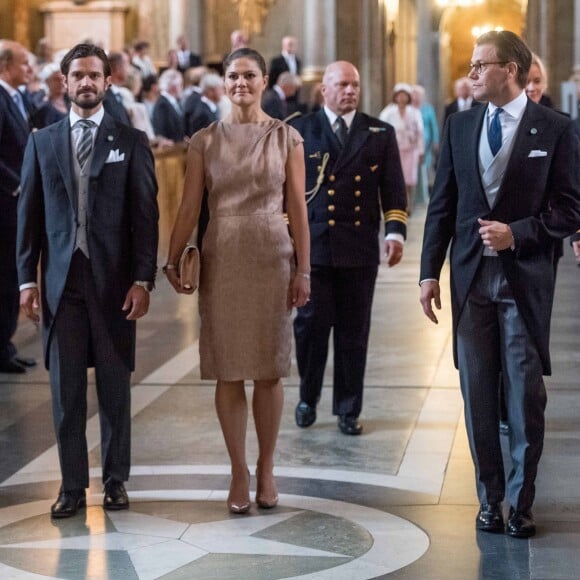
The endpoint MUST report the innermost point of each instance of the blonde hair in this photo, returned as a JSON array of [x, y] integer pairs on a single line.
[[538, 62]]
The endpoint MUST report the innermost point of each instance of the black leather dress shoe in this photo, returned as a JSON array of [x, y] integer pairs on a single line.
[[11, 366], [68, 503], [490, 518], [25, 361], [305, 414], [349, 425], [116, 497], [520, 524]]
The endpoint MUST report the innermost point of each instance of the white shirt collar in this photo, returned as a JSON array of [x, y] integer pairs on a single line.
[[514, 108], [212, 106], [9, 88], [332, 116], [95, 117], [280, 92]]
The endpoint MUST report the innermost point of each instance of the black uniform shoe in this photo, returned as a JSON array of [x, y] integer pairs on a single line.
[[116, 497], [305, 414], [490, 518], [520, 524], [68, 503], [349, 425], [11, 366], [25, 361]]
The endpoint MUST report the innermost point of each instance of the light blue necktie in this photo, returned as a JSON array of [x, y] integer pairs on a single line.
[[17, 98], [494, 132]]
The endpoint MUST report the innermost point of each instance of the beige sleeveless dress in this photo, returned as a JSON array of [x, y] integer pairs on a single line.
[[247, 258]]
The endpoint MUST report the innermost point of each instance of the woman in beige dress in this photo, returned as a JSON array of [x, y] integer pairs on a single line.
[[252, 271]]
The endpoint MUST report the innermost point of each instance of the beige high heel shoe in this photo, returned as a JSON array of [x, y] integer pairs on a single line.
[[262, 500], [236, 506]]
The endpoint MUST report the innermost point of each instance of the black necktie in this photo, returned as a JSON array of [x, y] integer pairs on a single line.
[[494, 132], [341, 130], [85, 142]]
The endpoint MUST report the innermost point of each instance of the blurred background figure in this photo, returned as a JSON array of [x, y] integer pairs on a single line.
[[408, 125], [316, 98], [43, 52], [286, 61], [431, 138], [463, 98], [149, 94], [113, 101], [238, 40], [537, 84], [185, 58], [55, 104], [201, 111], [191, 80], [141, 59], [280, 101], [167, 113]]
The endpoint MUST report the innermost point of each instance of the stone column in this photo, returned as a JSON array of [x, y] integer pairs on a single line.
[[319, 38], [194, 26], [373, 53]]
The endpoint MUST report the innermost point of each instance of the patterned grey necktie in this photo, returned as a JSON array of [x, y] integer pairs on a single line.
[[85, 142]]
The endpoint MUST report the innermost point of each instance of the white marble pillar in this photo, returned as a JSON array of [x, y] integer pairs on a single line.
[[319, 37]]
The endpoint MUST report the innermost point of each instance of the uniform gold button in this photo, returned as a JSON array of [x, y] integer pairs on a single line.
[[357, 223], [331, 222], [331, 178], [330, 208], [357, 178], [357, 208], [357, 193], [331, 192]]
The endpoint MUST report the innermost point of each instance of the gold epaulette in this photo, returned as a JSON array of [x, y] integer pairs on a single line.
[[397, 215], [292, 116]]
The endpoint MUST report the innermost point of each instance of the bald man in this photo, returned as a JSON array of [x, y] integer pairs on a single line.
[[353, 178]]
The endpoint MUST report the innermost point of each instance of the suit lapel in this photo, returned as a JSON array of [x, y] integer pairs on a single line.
[[14, 111], [527, 138], [105, 141], [61, 141], [471, 128]]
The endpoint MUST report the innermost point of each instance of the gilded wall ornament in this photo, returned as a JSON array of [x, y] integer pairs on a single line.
[[252, 14]]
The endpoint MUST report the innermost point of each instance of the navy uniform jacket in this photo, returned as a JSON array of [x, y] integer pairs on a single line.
[[122, 218], [539, 198], [363, 182]]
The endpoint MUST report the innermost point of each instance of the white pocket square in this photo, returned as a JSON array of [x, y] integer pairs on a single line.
[[538, 153], [115, 156]]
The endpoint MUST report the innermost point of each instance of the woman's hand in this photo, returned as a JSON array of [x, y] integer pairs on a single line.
[[299, 293], [174, 280]]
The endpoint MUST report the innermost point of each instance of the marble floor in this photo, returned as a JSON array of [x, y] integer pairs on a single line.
[[397, 502]]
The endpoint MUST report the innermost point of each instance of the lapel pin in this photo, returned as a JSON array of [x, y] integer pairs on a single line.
[[110, 138], [376, 129], [533, 131]]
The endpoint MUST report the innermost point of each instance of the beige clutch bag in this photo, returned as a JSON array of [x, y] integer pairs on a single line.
[[189, 263]]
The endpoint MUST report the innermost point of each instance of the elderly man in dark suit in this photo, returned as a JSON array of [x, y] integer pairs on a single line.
[[168, 120], [202, 110], [463, 98], [507, 190], [15, 70], [279, 102], [88, 211], [353, 176], [287, 61]]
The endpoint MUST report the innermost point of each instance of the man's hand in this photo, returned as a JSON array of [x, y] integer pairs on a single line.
[[137, 302], [430, 291], [496, 235], [30, 303], [576, 248], [394, 252]]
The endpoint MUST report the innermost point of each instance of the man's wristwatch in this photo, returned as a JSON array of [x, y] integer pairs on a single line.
[[147, 285]]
